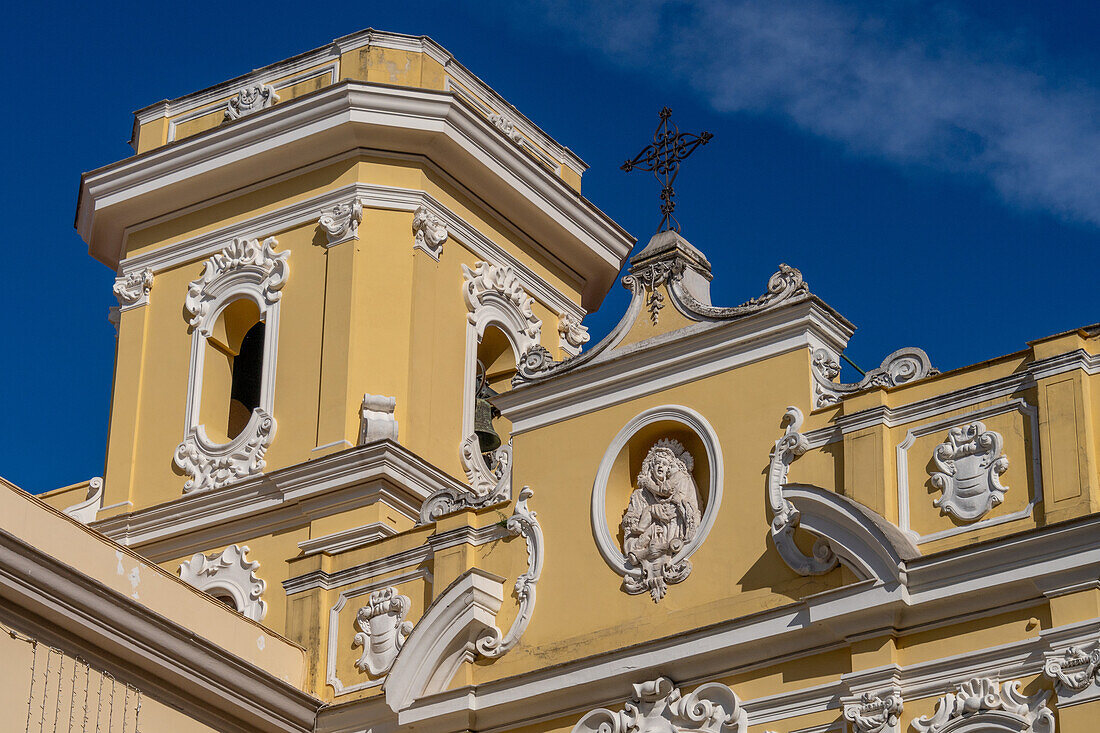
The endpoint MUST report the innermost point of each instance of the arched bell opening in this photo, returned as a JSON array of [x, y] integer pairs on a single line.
[[232, 382]]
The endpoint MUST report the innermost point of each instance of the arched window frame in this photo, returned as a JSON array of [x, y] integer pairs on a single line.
[[494, 296], [246, 268]]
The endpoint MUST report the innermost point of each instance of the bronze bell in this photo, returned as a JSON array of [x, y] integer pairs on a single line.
[[484, 413]]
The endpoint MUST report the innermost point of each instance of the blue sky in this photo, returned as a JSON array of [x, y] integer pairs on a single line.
[[932, 168]]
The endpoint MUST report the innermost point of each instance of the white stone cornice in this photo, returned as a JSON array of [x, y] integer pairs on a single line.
[[382, 471], [329, 122], [132, 288], [373, 196]]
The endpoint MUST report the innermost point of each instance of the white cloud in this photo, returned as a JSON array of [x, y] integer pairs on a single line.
[[922, 85]]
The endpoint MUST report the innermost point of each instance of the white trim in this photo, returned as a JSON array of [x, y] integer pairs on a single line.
[[694, 422], [1014, 405], [217, 105], [374, 196], [691, 353], [331, 677], [348, 539]]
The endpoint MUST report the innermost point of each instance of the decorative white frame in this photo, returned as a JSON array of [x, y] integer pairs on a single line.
[[232, 572], [331, 678], [249, 269], [658, 705], [689, 418], [1013, 405]]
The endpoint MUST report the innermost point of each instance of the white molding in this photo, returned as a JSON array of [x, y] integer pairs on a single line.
[[902, 451], [243, 269], [331, 678], [232, 572], [132, 288], [305, 211], [288, 497], [443, 639], [348, 539], [696, 423], [694, 352]]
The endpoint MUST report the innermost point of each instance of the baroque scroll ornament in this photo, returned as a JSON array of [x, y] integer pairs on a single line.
[[341, 223], [230, 572], [134, 288], [660, 520], [874, 713], [250, 257], [506, 126], [573, 334], [210, 468], [900, 367], [249, 100], [659, 707], [487, 281], [429, 231], [969, 465], [1075, 669], [382, 630], [983, 704]]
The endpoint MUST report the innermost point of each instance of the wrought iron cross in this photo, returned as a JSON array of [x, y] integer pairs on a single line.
[[663, 157]]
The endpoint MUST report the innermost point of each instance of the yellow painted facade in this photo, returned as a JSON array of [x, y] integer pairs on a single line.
[[889, 555]]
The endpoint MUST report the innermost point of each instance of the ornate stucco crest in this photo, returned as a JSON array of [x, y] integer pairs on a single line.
[[487, 282], [1075, 669], [341, 223], [506, 126], [429, 231], [784, 515], [212, 467], [250, 99], [649, 279], [659, 707], [981, 702], [573, 335], [969, 464], [231, 573], [902, 366], [258, 261], [873, 713], [661, 518], [133, 288], [522, 523], [382, 630]]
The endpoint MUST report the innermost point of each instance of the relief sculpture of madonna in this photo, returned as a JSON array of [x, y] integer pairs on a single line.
[[661, 519]]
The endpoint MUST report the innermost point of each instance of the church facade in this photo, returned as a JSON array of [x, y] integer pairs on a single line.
[[367, 471]]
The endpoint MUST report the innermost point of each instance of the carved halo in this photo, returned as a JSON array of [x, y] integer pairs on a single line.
[[606, 543]]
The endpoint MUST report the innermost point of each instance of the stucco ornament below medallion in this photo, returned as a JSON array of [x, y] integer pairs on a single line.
[[250, 99], [659, 707], [382, 630], [229, 572], [1075, 669], [982, 705], [661, 518], [969, 464]]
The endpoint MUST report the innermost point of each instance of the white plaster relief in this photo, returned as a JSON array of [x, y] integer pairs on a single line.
[[249, 100], [341, 222], [981, 703], [506, 126], [659, 707], [244, 268], [382, 630], [487, 284], [573, 336], [522, 523], [900, 367], [85, 512], [429, 232], [969, 464], [661, 518], [874, 713], [132, 289], [785, 518], [489, 484], [663, 527], [231, 573], [1074, 670], [376, 419]]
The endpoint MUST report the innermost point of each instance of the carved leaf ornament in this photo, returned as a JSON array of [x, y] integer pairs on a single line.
[[981, 703], [969, 465], [1076, 669], [874, 713], [660, 707]]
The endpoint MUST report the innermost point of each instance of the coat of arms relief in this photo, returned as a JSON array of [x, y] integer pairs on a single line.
[[968, 469], [660, 520]]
